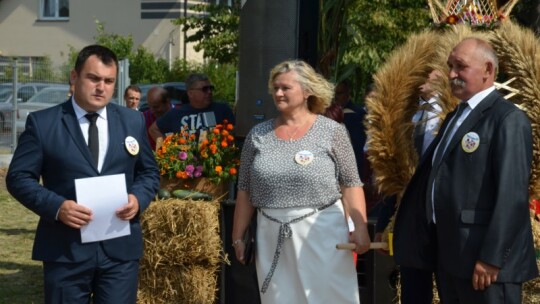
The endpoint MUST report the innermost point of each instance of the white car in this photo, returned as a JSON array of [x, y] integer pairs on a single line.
[[45, 98]]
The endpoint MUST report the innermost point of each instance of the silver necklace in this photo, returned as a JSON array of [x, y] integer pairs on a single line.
[[291, 136]]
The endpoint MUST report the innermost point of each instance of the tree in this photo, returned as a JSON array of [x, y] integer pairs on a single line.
[[145, 68], [369, 32], [120, 45], [216, 30]]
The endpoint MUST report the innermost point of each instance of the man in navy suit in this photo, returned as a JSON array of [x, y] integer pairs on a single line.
[[465, 211], [54, 149]]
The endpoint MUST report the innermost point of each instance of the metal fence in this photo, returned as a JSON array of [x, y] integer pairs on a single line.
[[37, 85]]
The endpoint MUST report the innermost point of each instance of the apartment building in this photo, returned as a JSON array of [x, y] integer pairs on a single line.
[[32, 29]]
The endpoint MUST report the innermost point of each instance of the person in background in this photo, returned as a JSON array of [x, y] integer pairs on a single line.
[[159, 103], [298, 171], [468, 201], [416, 283], [201, 113], [85, 137], [353, 117], [132, 97], [334, 112]]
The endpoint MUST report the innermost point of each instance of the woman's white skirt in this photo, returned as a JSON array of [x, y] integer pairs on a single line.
[[310, 268]]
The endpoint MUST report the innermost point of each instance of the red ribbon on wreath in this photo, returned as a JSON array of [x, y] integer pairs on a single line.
[[535, 206]]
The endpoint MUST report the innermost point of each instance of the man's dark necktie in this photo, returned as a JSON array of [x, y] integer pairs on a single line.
[[93, 136], [446, 136], [438, 158]]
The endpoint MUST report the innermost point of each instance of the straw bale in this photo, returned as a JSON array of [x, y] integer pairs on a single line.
[[182, 232], [182, 254], [192, 284]]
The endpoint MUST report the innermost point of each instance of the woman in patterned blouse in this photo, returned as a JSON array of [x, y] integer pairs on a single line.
[[299, 172]]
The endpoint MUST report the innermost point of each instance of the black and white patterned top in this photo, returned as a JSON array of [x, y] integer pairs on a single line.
[[271, 173]]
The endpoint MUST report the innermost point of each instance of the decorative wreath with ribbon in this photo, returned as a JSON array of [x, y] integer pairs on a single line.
[[389, 126]]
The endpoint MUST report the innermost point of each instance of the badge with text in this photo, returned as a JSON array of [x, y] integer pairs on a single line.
[[132, 146], [470, 142], [304, 157]]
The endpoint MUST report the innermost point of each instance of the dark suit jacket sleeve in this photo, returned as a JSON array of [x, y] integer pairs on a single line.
[[146, 180], [386, 212], [24, 172], [512, 150]]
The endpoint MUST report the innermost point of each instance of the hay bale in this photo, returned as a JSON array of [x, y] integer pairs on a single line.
[[193, 284], [182, 232], [182, 253]]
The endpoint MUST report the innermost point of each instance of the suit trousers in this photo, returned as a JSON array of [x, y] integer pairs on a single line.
[[99, 280], [416, 285], [454, 290]]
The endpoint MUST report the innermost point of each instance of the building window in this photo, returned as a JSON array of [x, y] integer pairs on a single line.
[[54, 9]]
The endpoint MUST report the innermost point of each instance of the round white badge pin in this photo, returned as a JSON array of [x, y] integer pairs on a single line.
[[304, 157], [132, 145], [470, 142]]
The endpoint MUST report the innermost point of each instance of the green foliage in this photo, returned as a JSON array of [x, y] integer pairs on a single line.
[[121, 45], [216, 30], [223, 77], [145, 68], [373, 29], [181, 69]]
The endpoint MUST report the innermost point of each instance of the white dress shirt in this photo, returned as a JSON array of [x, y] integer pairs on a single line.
[[102, 126]]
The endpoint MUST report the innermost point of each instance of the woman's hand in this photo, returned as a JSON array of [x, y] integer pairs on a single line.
[[360, 237], [378, 238], [239, 248]]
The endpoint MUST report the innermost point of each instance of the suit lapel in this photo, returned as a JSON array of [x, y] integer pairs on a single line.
[[115, 133], [474, 116], [73, 128]]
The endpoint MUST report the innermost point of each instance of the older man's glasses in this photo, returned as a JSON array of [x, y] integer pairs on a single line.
[[205, 89]]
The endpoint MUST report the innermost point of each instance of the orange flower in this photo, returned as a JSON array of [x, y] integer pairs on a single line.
[[452, 19], [202, 156]]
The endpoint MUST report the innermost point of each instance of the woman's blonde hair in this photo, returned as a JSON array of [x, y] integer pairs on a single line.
[[320, 90]]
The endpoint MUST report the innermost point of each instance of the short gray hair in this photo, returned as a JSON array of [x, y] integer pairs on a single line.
[[194, 78]]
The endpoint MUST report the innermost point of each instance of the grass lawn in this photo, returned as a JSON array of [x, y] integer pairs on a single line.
[[20, 277]]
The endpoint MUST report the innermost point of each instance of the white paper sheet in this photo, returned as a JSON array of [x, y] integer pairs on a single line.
[[103, 194]]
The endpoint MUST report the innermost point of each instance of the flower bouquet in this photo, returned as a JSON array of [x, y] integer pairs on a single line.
[[185, 160]]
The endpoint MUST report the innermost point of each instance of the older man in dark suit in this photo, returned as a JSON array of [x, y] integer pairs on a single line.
[[84, 137], [465, 210]]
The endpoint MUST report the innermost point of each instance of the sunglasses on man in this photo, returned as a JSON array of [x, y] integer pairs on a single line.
[[205, 89]]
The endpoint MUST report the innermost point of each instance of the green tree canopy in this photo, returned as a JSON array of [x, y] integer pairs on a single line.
[[216, 30], [370, 32]]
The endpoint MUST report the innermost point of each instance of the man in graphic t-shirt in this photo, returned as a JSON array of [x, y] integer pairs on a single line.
[[200, 114]]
